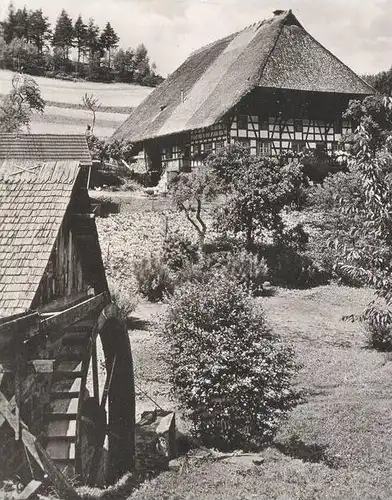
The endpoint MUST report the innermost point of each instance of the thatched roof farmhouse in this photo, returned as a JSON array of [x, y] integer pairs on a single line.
[[271, 86]]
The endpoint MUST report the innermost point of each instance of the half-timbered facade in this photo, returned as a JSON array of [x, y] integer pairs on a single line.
[[271, 86]]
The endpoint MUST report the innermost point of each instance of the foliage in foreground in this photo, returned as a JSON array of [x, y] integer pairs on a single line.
[[231, 374], [18, 105], [367, 257]]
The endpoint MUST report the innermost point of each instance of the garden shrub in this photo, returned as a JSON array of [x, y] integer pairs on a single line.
[[231, 374], [124, 296], [248, 269], [380, 337], [290, 262], [179, 251], [241, 266], [153, 278]]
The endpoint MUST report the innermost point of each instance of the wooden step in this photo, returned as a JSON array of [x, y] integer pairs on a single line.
[[68, 387], [68, 369], [61, 428], [76, 337], [64, 406], [60, 449], [67, 467], [83, 326]]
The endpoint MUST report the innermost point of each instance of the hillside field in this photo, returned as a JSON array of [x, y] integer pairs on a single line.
[[64, 112]]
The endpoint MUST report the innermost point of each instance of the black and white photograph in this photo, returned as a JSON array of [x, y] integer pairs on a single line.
[[195, 250]]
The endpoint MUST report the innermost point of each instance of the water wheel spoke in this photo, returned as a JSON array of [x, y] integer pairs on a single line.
[[108, 382], [94, 362]]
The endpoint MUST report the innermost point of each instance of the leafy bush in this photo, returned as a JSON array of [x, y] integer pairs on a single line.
[[289, 261], [125, 297], [153, 278], [231, 374], [248, 269], [260, 189], [380, 336], [178, 251]]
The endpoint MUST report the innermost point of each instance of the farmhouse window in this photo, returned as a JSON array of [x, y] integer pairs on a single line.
[[208, 147], [298, 125], [321, 149], [219, 145], [298, 146], [243, 141], [168, 153], [242, 122], [263, 123], [263, 148], [338, 126]]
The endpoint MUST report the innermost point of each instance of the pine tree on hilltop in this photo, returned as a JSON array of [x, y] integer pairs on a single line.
[[9, 25], [39, 30], [109, 40], [80, 31], [22, 19], [94, 48], [63, 37]]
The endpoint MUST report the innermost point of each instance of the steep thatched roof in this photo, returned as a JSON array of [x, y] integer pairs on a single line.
[[276, 53]]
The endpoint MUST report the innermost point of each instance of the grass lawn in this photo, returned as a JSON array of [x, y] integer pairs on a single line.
[[335, 445]]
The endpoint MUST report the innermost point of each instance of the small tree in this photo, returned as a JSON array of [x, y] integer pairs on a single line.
[[92, 104], [258, 188], [231, 374], [18, 106], [189, 192]]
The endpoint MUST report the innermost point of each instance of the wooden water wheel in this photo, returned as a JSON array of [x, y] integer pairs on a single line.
[[73, 403], [91, 410]]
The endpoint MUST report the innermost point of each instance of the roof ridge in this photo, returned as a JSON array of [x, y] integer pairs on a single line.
[[17, 135], [285, 16], [236, 33]]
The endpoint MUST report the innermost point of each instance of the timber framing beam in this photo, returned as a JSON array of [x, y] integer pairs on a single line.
[[34, 324], [73, 314]]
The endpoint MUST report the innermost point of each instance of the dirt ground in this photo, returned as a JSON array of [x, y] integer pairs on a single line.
[[152, 387]]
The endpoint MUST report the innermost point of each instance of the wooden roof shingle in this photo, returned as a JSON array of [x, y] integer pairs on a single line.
[[44, 147], [277, 53], [35, 192]]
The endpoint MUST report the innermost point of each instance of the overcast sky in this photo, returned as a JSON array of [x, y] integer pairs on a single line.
[[357, 31]]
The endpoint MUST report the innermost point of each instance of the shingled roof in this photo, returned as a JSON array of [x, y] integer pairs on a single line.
[[34, 195], [277, 53], [43, 147]]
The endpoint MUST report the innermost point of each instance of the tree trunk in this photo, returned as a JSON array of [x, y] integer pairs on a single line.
[[249, 237]]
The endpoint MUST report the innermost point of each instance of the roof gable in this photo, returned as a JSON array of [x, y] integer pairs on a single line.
[[299, 62], [275, 53]]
